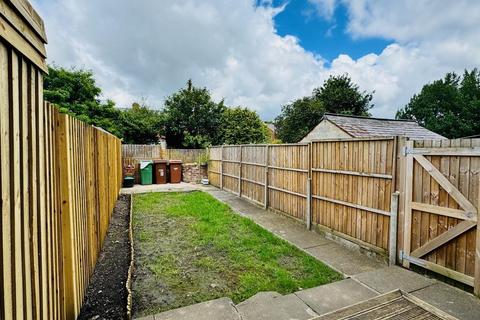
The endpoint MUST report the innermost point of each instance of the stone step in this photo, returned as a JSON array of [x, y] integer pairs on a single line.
[[335, 295], [272, 305], [219, 309]]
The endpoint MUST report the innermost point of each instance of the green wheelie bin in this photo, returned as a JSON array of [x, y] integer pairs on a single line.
[[146, 172]]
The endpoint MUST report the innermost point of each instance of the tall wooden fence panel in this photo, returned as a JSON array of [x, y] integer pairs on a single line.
[[132, 154], [273, 176], [288, 170], [352, 184], [59, 182]]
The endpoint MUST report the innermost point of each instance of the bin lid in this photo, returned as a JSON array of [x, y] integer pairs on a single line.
[[145, 163], [160, 161], [176, 161]]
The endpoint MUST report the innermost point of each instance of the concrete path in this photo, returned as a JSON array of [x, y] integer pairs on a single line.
[[169, 187], [365, 276]]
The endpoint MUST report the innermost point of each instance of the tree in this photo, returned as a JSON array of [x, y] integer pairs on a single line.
[[338, 94], [449, 106], [142, 125], [76, 93], [192, 119], [242, 126], [298, 118]]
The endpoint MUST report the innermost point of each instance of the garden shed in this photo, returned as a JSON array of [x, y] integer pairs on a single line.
[[334, 126]]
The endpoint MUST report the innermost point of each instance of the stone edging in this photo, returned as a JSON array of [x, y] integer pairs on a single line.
[[130, 269]]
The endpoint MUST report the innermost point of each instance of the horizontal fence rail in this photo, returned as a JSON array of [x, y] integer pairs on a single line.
[[132, 154]]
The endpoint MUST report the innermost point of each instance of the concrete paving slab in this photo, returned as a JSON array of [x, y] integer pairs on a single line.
[[345, 260], [451, 300], [391, 278], [168, 187], [291, 231], [272, 306], [219, 309], [335, 295]]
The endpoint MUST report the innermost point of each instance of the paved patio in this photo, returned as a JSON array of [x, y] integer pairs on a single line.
[[365, 276]]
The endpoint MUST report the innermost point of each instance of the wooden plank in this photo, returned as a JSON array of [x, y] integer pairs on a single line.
[[354, 173], [221, 168], [446, 184], [31, 16], [9, 34], [65, 188], [308, 213], [438, 151], [352, 205], [6, 283], [26, 182], [288, 169], [253, 181], [452, 274], [22, 28], [476, 287], [240, 173], [443, 238], [266, 179], [444, 211], [287, 191]]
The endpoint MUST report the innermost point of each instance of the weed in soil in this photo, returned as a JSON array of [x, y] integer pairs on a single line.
[[106, 296]]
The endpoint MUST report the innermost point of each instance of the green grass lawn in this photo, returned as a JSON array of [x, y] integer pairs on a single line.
[[189, 248]]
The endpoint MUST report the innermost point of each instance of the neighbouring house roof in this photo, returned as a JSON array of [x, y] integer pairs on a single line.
[[364, 127]]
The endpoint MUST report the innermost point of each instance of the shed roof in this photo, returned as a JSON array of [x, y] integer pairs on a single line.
[[362, 127]]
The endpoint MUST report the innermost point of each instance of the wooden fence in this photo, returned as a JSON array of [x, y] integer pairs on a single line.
[[132, 154], [415, 201], [439, 218], [273, 176], [59, 182], [352, 186]]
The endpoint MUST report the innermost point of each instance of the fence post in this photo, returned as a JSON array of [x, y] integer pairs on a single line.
[[267, 156], [221, 168], [407, 229], [392, 250], [476, 279], [240, 174], [308, 216]]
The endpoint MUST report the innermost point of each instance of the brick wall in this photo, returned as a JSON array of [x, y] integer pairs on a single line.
[[193, 172]]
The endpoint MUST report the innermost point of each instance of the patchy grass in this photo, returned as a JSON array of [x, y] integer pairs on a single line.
[[190, 248]]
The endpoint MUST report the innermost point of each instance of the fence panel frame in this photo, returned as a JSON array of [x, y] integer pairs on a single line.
[[465, 217]]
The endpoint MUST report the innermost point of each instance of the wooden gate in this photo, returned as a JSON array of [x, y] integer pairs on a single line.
[[441, 207]]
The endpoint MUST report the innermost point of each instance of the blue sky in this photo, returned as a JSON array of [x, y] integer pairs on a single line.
[[252, 53], [326, 37]]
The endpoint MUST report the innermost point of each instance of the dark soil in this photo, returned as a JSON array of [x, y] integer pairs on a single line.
[[106, 296]]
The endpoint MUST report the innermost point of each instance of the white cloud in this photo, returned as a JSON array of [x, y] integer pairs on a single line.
[[326, 8], [149, 49]]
